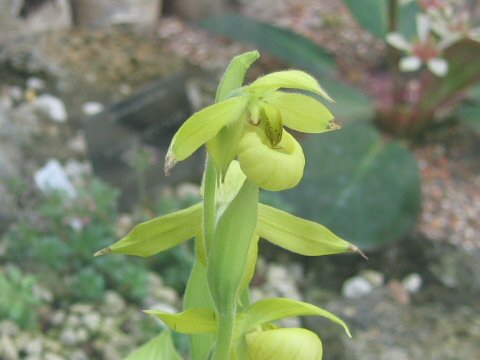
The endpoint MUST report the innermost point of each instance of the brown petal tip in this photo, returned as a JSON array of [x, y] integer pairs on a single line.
[[355, 249], [105, 251]]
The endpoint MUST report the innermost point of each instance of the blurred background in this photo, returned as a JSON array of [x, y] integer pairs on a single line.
[[91, 93]]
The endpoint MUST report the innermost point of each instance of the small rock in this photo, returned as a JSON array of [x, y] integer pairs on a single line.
[[52, 176], [35, 83], [188, 190], [53, 356], [113, 303], [81, 308], [78, 355], [8, 350], [81, 335], [92, 321], [52, 107], [68, 337], [9, 328], [356, 287], [412, 283], [375, 278], [92, 108], [58, 317], [34, 347], [78, 144], [72, 321], [398, 292]]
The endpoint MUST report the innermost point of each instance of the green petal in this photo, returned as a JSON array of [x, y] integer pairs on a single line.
[[192, 321], [235, 74], [159, 348], [202, 126], [278, 308], [285, 344], [299, 235], [289, 79], [301, 112], [162, 233]]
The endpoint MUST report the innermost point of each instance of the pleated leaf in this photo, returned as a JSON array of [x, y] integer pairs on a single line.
[[162, 233], [278, 308]]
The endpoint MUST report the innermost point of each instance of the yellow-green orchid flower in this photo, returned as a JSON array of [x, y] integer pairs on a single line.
[[249, 124]]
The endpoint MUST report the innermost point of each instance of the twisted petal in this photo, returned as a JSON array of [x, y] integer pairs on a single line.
[[162, 233], [300, 112], [299, 235], [289, 79], [284, 344], [273, 169], [202, 126]]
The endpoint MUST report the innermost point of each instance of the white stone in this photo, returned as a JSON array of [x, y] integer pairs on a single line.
[[34, 347], [412, 283], [68, 337], [35, 83], [8, 350], [92, 108], [375, 278], [52, 107], [53, 356], [52, 176], [92, 321], [356, 287]]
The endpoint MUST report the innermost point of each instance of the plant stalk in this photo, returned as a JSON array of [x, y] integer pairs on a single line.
[[209, 184], [223, 347]]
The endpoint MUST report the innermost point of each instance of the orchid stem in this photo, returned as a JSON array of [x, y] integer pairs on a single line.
[[209, 202]]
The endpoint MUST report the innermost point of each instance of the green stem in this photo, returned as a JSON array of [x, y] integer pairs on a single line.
[[209, 185], [226, 324], [393, 53]]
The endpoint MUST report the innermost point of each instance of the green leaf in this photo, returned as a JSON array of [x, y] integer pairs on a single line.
[[300, 112], [370, 14], [469, 114], [235, 74], [191, 321], [230, 247], [279, 308], [159, 348], [280, 42], [362, 187], [288, 79], [196, 296], [162, 233], [285, 344], [464, 71], [202, 126], [298, 235]]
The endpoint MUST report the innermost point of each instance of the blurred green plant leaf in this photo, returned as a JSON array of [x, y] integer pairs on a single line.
[[469, 115], [464, 71], [159, 348], [162, 233], [280, 42], [372, 15], [363, 188]]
